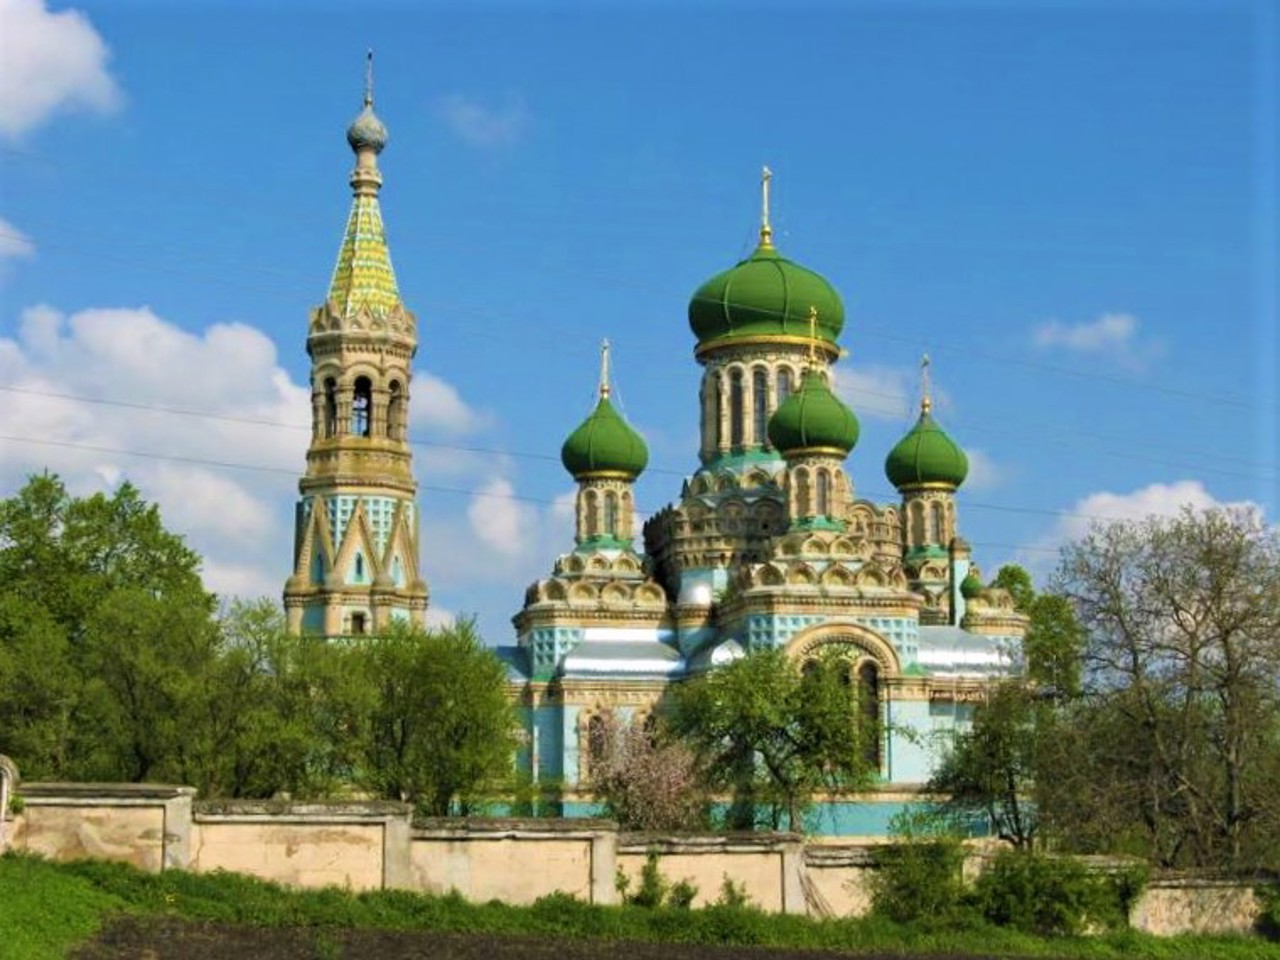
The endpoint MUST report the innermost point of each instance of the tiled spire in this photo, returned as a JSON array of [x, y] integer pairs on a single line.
[[363, 277]]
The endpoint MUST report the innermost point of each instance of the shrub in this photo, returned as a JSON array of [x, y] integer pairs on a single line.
[[1053, 896], [655, 890], [1269, 919], [918, 881], [682, 894], [733, 896]]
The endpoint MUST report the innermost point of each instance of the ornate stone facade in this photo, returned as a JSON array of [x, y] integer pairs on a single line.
[[769, 546], [356, 548]]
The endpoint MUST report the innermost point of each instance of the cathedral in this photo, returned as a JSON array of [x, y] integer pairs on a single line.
[[767, 545]]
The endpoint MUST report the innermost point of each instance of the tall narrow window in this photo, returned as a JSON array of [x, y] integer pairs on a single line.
[[784, 384], [589, 508], [597, 740], [917, 524], [802, 493], [330, 407], [824, 494], [395, 411], [869, 697], [759, 406], [359, 567], [610, 514], [717, 428], [939, 522], [361, 406], [357, 624], [735, 408]]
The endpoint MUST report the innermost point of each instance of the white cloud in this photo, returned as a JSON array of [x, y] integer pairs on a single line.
[[503, 523], [1155, 500], [238, 519], [436, 403], [14, 243], [49, 62], [876, 392], [984, 473], [438, 617], [1113, 336], [481, 125], [889, 394]]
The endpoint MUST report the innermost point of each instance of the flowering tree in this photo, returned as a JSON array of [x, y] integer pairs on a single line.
[[646, 782]]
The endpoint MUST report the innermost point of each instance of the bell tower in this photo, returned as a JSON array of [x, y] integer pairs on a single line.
[[356, 532]]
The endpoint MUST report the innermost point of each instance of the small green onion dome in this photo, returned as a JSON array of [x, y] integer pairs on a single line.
[[765, 295], [926, 455], [813, 417], [367, 130], [605, 444], [971, 586]]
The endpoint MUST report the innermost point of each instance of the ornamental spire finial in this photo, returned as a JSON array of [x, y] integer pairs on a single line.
[[926, 402], [766, 230], [368, 79], [813, 337], [604, 369]]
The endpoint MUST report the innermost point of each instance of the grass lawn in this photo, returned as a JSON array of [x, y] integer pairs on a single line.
[[46, 909]]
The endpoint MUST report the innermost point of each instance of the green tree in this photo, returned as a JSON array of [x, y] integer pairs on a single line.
[[772, 734], [1053, 647], [991, 769], [93, 590], [434, 724], [1183, 623], [274, 718]]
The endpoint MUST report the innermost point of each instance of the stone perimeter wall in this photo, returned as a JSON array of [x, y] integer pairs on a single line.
[[376, 845]]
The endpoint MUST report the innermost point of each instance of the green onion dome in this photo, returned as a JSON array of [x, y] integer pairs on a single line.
[[765, 295], [604, 446], [813, 419], [367, 130], [926, 455], [971, 586]]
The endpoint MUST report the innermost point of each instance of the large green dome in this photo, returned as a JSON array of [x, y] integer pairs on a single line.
[[813, 418], [604, 445], [926, 455], [765, 295]]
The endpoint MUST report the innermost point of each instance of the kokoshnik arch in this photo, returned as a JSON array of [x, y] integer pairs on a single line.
[[768, 544]]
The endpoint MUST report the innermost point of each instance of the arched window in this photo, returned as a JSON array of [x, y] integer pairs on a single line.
[[359, 566], [784, 384], [597, 740], [802, 493], [735, 408], [717, 401], [939, 521], [610, 514], [395, 411], [824, 494], [917, 523], [869, 703], [759, 406], [330, 407], [809, 670], [361, 406], [589, 508]]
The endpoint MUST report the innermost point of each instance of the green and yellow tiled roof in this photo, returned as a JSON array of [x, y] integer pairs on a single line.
[[363, 275]]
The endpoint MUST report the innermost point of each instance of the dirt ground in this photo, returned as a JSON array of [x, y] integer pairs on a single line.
[[130, 939]]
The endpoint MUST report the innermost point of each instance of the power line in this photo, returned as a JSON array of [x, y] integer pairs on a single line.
[[466, 310], [262, 468], [549, 458]]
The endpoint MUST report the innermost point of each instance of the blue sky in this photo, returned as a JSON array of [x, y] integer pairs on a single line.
[[1072, 207]]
